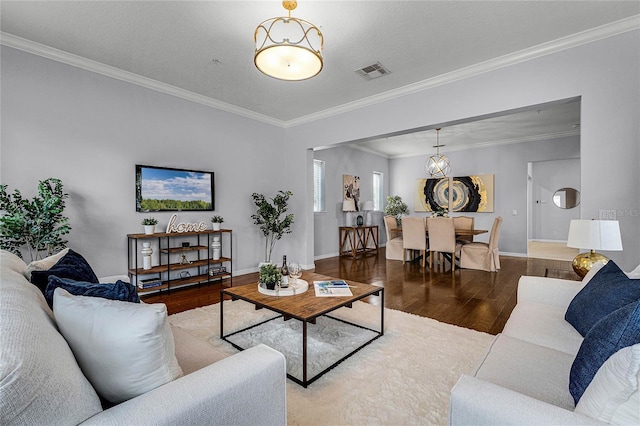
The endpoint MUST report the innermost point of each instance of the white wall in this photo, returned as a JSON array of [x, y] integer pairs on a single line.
[[603, 73], [90, 131], [508, 164], [345, 161], [550, 222]]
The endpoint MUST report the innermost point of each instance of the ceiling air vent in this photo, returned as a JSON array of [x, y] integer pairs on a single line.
[[373, 71]]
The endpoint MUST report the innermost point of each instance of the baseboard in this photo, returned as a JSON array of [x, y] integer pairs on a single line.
[[506, 253], [325, 256]]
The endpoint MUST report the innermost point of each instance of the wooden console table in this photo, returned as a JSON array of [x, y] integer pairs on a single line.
[[356, 240]]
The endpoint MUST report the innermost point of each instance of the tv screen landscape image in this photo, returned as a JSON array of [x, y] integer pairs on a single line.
[[167, 189]]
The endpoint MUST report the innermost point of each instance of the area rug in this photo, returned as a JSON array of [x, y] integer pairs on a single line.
[[404, 377], [551, 250]]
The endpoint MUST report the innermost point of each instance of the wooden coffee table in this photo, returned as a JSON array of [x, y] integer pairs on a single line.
[[306, 308]]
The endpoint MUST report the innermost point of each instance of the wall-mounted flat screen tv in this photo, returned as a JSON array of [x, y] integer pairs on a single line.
[[166, 189]]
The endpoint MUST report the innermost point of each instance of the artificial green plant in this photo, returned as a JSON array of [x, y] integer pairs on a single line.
[[396, 207], [36, 224], [272, 218]]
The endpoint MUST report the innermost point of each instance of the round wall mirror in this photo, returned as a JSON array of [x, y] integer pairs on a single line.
[[566, 198]]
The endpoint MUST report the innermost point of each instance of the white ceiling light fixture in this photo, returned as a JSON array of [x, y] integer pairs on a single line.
[[437, 166], [288, 48]]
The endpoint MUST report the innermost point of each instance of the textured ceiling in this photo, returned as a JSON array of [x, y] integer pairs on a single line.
[[203, 50], [542, 122], [206, 47]]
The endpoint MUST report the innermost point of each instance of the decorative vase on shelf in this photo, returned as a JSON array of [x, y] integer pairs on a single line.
[[216, 226], [149, 229], [146, 251], [216, 247]]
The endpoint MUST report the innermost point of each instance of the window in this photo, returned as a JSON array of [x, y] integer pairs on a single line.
[[318, 186], [377, 191]]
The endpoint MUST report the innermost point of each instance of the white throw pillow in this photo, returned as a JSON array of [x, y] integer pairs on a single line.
[[125, 349], [44, 264], [612, 395]]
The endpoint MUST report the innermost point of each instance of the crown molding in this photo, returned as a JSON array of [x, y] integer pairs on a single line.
[[618, 27], [58, 55], [594, 34]]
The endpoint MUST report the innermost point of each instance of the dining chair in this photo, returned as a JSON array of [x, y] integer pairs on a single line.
[[414, 237], [442, 239], [394, 249], [483, 256], [463, 222]]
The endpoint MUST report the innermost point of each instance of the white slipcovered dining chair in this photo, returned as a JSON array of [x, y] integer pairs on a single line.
[[394, 249], [483, 256], [442, 239], [414, 237], [463, 222]]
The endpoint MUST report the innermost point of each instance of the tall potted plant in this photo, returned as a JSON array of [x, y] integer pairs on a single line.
[[38, 224], [272, 218], [396, 208]]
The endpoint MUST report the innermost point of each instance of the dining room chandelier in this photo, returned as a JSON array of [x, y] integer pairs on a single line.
[[437, 166], [288, 48]]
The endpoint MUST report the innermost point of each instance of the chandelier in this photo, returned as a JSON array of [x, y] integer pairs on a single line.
[[437, 166], [288, 48]]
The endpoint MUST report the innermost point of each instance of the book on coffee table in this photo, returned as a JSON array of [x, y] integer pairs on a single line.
[[333, 288]]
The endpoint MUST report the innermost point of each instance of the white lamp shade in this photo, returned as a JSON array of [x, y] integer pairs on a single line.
[[595, 235], [348, 205], [367, 205]]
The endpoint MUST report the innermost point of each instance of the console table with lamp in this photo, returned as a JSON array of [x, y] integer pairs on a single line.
[[355, 240]]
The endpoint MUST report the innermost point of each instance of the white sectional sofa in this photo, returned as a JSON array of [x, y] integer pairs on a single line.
[[524, 377], [41, 382]]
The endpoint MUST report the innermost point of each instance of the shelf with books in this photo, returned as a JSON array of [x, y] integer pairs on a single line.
[[179, 259]]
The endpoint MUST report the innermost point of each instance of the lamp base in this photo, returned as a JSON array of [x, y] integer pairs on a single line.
[[583, 262]]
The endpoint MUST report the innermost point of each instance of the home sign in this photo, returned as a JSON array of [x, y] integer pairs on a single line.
[[184, 227]]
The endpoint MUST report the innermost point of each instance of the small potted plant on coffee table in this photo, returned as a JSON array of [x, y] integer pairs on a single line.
[[149, 224], [269, 276]]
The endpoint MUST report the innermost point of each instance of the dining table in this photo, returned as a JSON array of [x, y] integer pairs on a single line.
[[459, 233], [466, 232]]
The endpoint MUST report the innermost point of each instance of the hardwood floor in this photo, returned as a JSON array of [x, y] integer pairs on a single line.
[[478, 300]]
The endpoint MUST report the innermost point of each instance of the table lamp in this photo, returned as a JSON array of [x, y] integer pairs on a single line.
[[593, 235], [349, 206], [367, 206]]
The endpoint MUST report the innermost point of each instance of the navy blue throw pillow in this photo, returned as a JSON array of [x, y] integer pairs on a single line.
[[115, 291], [617, 330], [608, 290], [72, 265]]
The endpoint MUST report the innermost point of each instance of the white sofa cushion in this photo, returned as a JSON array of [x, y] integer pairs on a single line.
[[193, 353], [12, 262], [613, 394], [530, 369], [125, 349], [543, 325], [40, 381], [635, 274], [44, 264]]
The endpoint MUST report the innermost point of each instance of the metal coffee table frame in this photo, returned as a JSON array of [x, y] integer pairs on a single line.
[[297, 307]]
